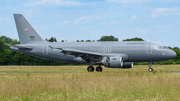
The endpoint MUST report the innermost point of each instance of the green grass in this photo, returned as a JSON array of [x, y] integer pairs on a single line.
[[74, 83], [140, 68]]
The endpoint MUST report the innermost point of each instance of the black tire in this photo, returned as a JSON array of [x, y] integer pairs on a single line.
[[90, 69], [150, 69], [99, 69]]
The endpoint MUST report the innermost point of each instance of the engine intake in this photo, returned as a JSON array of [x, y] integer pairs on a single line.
[[113, 62]]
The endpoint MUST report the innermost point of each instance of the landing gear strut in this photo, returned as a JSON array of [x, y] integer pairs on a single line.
[[150, 69], [99, 69]]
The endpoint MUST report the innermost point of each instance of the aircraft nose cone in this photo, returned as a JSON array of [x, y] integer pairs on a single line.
[[172, 54]]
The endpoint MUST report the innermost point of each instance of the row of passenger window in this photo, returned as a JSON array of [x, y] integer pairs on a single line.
[[128, 47], [101, 48]]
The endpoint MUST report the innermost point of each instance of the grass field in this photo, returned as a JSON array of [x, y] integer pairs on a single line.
[[74, 83]]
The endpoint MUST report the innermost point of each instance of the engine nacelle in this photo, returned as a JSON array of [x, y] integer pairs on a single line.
[[113, 62], [127, 65]]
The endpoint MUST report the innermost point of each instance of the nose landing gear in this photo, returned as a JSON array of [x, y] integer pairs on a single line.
[[150, 69]]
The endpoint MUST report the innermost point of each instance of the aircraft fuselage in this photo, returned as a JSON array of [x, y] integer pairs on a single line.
[[136, 51]]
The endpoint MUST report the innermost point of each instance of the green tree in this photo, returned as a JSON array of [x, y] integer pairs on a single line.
[[52, 39], [176, 48], [8, 56], [5, 39], [108, 38], [177, 54], [14, 42], [134, 39], [170, 47], [21, 58], [1, 52], [170, 61], [88, 41]]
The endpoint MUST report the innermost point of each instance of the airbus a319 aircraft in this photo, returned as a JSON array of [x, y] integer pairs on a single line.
[[109, 54]]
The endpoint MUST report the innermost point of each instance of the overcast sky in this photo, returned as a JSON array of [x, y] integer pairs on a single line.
[[156, 20]]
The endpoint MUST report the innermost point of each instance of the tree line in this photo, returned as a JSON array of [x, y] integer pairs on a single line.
[[9, 57]]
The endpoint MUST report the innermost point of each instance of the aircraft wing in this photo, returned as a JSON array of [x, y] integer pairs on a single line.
[[20, 47], [85, 55]]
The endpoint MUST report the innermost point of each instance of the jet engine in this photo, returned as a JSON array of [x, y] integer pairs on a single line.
[[113, 62], [127, 65]]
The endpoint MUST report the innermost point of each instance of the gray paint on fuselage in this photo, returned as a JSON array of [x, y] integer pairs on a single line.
[[135, 50]]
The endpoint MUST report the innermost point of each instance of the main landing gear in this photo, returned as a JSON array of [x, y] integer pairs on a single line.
[[150, 69], [99, 69], [91, 69]]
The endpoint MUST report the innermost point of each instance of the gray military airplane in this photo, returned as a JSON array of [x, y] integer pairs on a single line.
[[109, 54]]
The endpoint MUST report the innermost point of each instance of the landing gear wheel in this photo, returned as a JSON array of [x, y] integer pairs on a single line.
[[150, 69], [90, 69], [99, 69]]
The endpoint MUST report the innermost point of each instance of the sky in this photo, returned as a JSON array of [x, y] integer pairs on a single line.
[[155, 20]]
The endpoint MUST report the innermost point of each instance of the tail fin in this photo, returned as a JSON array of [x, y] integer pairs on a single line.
[[25, 31]]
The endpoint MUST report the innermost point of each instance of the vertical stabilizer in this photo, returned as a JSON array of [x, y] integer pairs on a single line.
[[25, 31]]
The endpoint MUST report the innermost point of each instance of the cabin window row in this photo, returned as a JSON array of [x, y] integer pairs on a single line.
[[128, 47], [98, 48]]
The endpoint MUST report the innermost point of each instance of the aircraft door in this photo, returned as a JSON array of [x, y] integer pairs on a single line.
[[105, 49], [45, 49], [109, 49], [149, 48]]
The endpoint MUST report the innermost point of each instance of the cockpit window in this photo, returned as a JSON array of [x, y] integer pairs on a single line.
[[163, 47]]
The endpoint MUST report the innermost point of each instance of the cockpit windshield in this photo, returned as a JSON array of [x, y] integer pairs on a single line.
[[163, 47]]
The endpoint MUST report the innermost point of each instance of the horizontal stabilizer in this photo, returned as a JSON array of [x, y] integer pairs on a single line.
[[20, 47]]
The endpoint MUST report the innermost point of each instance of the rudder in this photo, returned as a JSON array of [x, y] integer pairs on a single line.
[[25, 31]]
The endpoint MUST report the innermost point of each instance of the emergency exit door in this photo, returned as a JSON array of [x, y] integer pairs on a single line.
[[149, 48], [45, 49]]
